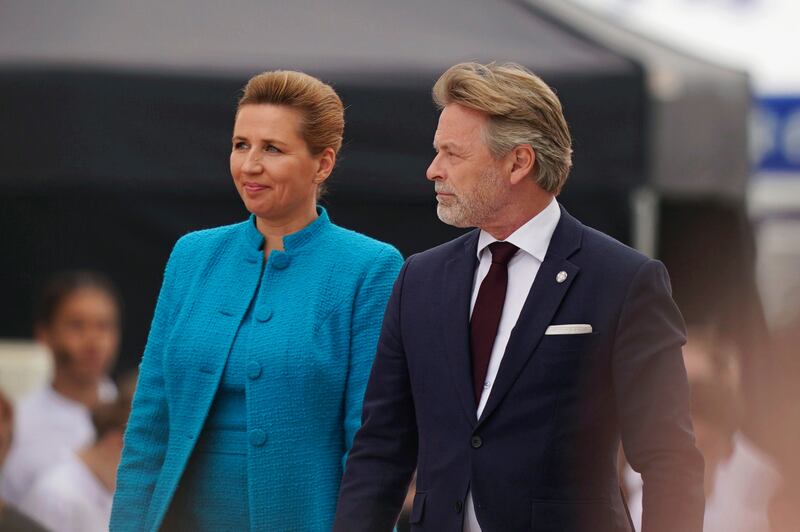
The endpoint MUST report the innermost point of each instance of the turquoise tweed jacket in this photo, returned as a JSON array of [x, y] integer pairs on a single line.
[[326, 295]]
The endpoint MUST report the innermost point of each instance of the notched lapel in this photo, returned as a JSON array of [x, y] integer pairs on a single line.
[[456, 291], [540, 306]]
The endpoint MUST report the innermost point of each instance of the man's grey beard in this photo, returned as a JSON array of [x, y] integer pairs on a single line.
[[476, 207]]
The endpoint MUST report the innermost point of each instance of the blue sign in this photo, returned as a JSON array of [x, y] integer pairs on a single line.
[[776, 134]]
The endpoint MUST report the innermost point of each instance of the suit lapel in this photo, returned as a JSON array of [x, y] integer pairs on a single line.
[[540, 306], [456, 292]]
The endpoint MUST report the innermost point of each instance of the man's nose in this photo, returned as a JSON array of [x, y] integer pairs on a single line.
[[434, 172]]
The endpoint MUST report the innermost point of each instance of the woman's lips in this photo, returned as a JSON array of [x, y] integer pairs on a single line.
[[254, 187]]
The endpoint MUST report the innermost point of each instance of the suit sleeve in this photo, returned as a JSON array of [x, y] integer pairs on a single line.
[[147, 430], [384, 453], [652, 396], [368, 311]]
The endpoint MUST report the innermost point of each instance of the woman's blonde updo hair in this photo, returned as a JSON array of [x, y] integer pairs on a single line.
[[522, 109], [321, 108]]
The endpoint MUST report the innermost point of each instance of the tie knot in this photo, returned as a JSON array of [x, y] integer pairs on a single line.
[[502, 252]]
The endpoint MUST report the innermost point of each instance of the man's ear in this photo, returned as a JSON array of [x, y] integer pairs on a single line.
[[522, 160]]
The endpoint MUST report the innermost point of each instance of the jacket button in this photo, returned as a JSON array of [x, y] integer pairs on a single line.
[[258, 437], [264, 315], [459, 507], [253, 370], [476, 442], [279, 260]]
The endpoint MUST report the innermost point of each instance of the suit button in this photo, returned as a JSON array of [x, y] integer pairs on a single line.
[[258, 437], [476, 442], [279, 260], [253, 370], [459, 507], [264, 315]]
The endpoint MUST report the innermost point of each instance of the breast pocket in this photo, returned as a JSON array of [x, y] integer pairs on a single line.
[[569, 342]]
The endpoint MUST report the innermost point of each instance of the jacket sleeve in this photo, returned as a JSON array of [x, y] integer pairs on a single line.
[[384, 453], [652, 396], [146, 434], [368, 311]]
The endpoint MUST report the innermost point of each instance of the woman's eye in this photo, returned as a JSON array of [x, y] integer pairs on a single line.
[[239, 145], [272, 149]]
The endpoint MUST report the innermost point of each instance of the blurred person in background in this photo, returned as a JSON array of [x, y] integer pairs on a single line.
[[741, 477], [6, 427], [783, 439], [709, 356], [740, 494], [784, 506], [78, 320], [263, 337], [75, 495], [715, 421], [11, 519]]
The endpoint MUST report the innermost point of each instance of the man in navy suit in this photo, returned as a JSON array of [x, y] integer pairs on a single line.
[[514, 359]]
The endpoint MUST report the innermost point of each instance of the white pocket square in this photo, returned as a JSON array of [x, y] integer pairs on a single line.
[[571, 328]]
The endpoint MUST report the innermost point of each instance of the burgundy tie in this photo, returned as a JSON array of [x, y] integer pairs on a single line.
[[487, 311]]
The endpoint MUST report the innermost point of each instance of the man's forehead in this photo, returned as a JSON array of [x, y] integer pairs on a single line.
[[458, 125], [457, 114]]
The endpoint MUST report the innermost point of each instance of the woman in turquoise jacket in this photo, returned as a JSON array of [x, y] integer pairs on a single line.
[[251, 383]]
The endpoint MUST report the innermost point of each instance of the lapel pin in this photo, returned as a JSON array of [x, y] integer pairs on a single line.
[[561, 277]]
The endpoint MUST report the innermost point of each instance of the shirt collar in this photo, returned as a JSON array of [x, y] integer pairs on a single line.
[[533, 237]]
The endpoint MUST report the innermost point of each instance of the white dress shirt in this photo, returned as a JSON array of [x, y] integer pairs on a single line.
[[69, 498], [532, 239], [48, 428]]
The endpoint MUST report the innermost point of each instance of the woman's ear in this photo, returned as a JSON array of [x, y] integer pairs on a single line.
[[325, 164]]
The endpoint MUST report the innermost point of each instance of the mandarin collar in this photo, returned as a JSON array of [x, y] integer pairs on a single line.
[[291, 242]]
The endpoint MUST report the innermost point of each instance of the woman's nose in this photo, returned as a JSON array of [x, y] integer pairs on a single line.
[[252, 164]]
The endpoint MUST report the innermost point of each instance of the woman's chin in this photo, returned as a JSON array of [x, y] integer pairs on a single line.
[[259, 209]]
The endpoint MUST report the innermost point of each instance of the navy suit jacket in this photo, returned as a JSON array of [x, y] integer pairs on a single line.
[[543, 455]]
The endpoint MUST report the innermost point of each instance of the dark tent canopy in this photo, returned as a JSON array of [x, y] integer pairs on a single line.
[[116, 121]]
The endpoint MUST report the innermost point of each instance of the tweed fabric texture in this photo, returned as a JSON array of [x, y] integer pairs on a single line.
[[220, 454], [320, 305]]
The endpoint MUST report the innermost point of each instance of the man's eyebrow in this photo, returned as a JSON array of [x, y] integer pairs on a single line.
[[449, 146]]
